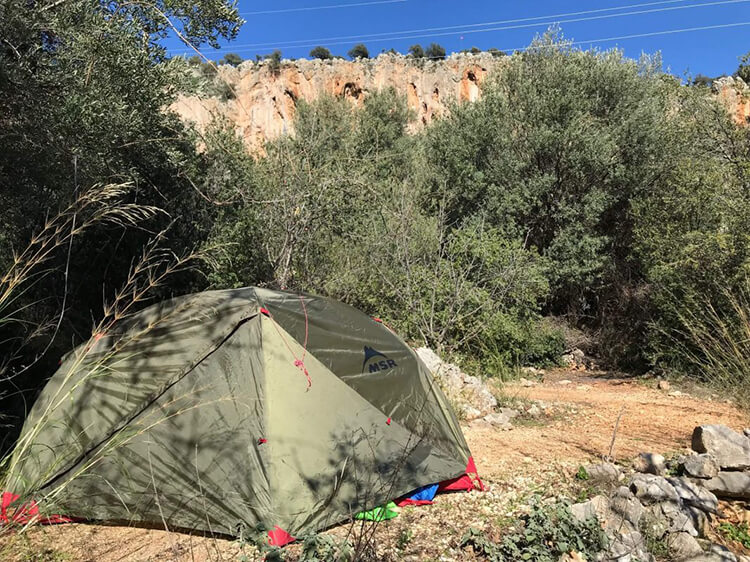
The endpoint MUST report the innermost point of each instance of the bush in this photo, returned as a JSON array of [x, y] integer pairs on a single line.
[[744, 69], [321, 53], [545, 534], [359, 51], [574, 154], [416, 51], [231, 59], [435, 52]]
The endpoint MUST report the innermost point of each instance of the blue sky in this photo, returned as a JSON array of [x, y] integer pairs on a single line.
[[294, 26]]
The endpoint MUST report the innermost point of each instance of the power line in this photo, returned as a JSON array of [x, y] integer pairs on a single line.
[[329, 7], [468, 25], [282, 45], [639, 35]]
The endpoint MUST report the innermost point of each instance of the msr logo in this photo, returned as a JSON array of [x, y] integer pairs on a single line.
[[376, 362]]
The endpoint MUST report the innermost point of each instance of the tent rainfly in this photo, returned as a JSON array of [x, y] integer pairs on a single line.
[[237, 409]]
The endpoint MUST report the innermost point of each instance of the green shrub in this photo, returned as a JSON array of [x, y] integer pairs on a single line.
[[744, 69], [416, 51], [736, 533], [359, 51], [321, 53], [231, 59], [435, 52], [542, 535]]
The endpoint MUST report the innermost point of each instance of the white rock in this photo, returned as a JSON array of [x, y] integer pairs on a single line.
[[729, 448]]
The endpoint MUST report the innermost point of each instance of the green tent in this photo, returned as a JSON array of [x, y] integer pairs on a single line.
[[233, 410]]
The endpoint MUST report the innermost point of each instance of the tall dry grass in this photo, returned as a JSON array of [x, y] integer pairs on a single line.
[[100, 205], [716, 342]]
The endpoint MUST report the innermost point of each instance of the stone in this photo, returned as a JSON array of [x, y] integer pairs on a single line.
[[526, 383], [729, 448], [564, 382], [732, 485], [534, 411], [480, 423], [498, 420], [649, 488], [699, 519], [695, 495], [532, 371], [469, 393], [598, 507], [624, 510], [683, 546], [627, 547], [471, 413], [651, 463], [715, 553], [604, 473], [700, 466], [663, 385], [670, 517], [509, 412]]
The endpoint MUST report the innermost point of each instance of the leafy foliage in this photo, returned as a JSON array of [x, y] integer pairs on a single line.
[[736, 533], [416, 51], [435, 52], [85, 103], [359, 51], [231, 59], [744, 69], [544, 534], [321, 53]]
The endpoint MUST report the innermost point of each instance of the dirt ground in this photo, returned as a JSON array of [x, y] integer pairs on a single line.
[[537, 455]]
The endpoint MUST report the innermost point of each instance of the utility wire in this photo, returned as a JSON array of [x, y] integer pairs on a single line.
[[329, 7], [614, 38], [282, 45], [468, 25], [649, 34]]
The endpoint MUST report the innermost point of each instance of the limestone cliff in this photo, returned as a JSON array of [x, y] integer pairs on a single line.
[[735, 95], [266, 97]]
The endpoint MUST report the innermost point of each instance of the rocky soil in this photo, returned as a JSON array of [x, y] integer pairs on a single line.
[[565, 420]]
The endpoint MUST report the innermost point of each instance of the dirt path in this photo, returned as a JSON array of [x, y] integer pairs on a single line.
[[533, 455]]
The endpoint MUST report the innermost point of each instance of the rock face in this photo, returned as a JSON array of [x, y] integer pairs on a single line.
[[266, 99], [729, 448], [735, 95]]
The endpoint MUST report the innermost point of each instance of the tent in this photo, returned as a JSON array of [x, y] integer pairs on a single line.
[[237, 410]]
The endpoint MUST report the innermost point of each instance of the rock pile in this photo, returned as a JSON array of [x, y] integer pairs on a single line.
[[471, 398], [577, 360], [671, 503]]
